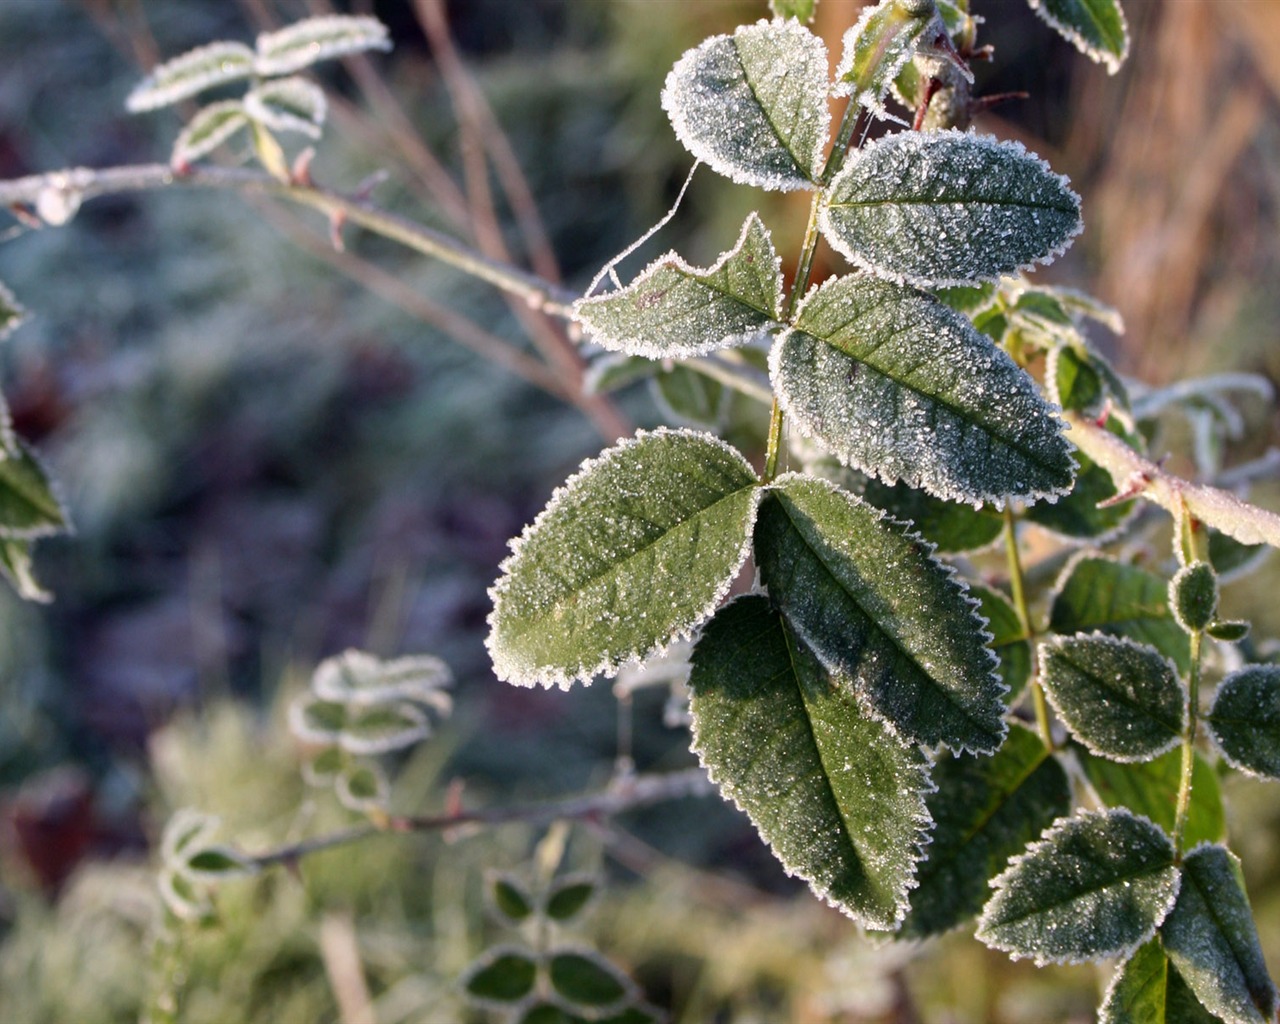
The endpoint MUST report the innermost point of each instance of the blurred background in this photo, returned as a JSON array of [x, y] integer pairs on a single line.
[[273, 452]]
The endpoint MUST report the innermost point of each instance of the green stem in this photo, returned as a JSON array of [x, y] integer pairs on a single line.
[[835, 159], [1017, 585], [1188, 746]]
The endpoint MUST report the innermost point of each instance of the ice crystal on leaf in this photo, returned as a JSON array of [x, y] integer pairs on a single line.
[[207, 130], [191, 73], [1147, 989], [288, 105], [880, 45], [1096, 28], [1244, 720], [315, 39], [752, 105]]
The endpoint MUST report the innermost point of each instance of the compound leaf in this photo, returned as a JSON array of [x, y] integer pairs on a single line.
[[312, 40], [1211, 939], [1147, 989], [1095, 885], [1094, 27], [835, 794], [947, 207], [753, 105], [1244, 720], [29, 507], [881, 612], [897, 384], [985, 810], [632, 553], [1150, 788], [675, 311], [191, 73]]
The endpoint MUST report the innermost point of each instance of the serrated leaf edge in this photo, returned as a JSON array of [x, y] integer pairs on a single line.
[[1252, 773], [55, 492], [1106, 58]]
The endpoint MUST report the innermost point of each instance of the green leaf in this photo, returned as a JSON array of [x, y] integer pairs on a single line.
[[1086, 513], [510, 898], [1121, 698], [610, 372], [382, 728], [985, 810], [288, 105], [11, 313], [969, 299], [183, 898], [1211, 939], [191, 73], [313, 720], [312, 40], [838, 798], [1008, 639], [568, 896], [1231, 631], [16, 567], [504, 975], [802, 10], [354, 677], [634, 552], [208, 129], [685, 396], [1094, 27], [893, 382], [1098, 593], [588, 980], [948, 207], [1233, 560], [1193, 596], [1078, 381], [363, 786], [1147, 989], [1244, 720], [880, 612], [323, 769], [881, 44], [29, 508], [1151, 789], [186, 829], [214, 863], [752, 105], [675, 311], [1096, 885]]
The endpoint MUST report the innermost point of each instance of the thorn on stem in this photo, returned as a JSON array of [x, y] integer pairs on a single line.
[[300, 172], [337, 219]]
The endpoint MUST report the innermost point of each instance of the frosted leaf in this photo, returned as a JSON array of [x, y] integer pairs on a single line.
[[1122, 699], [752, 105], [802, 10], [382, 728], [216, 863], [16, 567], [503, 976], [635, 551], [360, 678], [878, 610], [879, 46], [985, 810], [674, 311], [29, 504], [182, 897], [1211, 939], [610, 372], [1244, 720], [1088, 511], [1147, 989], [587, 981], [1008, 639], [1097, 593], [11, 313], [509, 898], [690, 399], [938, 208], [363, 786], [315, 39], [323, 767], [313, 720], [1193, 596], [835, 794], [1150, 788], [207, 130], [1096, 28], [288, 105], [569, 895], [191, 73], [186, 830], [893, 382], [1095, 885]]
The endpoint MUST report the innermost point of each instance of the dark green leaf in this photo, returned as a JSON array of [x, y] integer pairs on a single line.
[[1147, 989], [510, 897], [1150, 788], [1094, 27], [946, 207], [834, 793], [1008, 638], [1211, 938], [208, 129], [568, 896], [753, 105], [362, 786], [894, 383], [502, 976], [28, 506], [632, 553], [1101, 594], [1096, 885], [315, 39], [1231, 631], [881, 612], [191, 73], [1082, 514], [588, 980], [1121, 698], [186, 829], [674, 311], [1245, 720], [801, 10], [985, 810], [880, 45], [16, 567], [217, 862], [1231, 559], [1193, 596]]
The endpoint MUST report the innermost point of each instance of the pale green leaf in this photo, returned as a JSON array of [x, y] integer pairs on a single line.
[[634, 552], [753, 105], [183, 897], [802, 10], [382, 728], [16, 567], [587, 980], [1211, 939], [1081, 380], [688, 398], [288, 105], [315, 39], [503, 976], [1147, 989], [191, 73], [1150, 788], [355, 677], [893, 382], [833, 792], [1095, 885], [880, 45], [610, 372], [1122, 699], [314, 720], [323, 768], [948, 207], [208, 129], [1244, 720], [881, 612], [29, 506], [1096, 28], [363, 786], [11, 313], [985, 810], [187, 829], [1008, 638], [674, 311]]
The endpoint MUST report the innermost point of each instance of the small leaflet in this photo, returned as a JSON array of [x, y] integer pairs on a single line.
[[1244, 720], [29, 503], [985, 810], [753, 105], [947, 207], [1147, 989], [835, 794], [11, 313], [1096, 885], [501, 977], [191, 73], [802, 10], [1122, 699], [880, 45], [675, 311], [210, 128], [288, 105], [881, 613], [634, 552], [315, 39], [1211, 938], [587, 981], [894, 383], [1193, 596], [1096, 28], [362, 786]]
